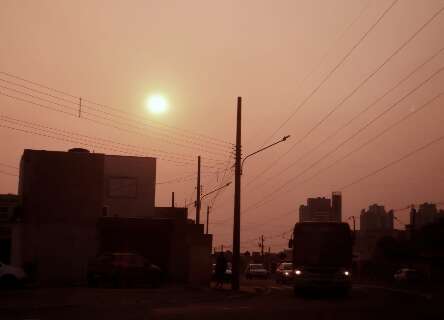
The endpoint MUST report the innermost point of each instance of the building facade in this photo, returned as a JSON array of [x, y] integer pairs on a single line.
[[427, 213], [322, 209], [69, 200], [376, 218], [9, 228]]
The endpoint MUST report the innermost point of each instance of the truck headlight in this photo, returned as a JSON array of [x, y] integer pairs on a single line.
[[346, 273], [297, 272], [286, 273]]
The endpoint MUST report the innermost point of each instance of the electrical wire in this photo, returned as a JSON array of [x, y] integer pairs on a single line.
[[346, 98], [362, 112], [269, 196], [188, 144], [317, 66], [202, 136]]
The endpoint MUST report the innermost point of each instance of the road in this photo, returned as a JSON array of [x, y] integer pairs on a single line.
[[259, 299]]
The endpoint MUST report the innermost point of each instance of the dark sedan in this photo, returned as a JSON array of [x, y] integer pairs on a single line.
[[123, 270]]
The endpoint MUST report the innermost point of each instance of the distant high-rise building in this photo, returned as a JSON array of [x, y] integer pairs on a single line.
[[376, 219], [322, 209], [426, 214]]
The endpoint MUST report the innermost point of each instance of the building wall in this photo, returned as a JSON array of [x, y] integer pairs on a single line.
[[62, 195], [180, 248], [376, 218], [129, 186], [322, 209], [8, 208], [336, 206], [427, 213], [61, 187]]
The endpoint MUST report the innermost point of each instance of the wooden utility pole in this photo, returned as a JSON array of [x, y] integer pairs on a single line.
[[237, 201], [198, 192], [208, 216], [261, 245], [172, 199]]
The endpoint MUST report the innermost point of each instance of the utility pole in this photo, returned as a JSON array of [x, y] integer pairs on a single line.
[[198, 192], [354, 224], [261, 245], [208, 216], [237, 198], [172, 199]]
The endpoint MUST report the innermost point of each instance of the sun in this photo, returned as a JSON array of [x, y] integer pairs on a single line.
[[157, 104]]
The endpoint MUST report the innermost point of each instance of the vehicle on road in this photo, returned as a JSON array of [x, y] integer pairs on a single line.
[[322, 257], [406, 275], [284, 272], [11, 277], [123, 270], [256, 270]]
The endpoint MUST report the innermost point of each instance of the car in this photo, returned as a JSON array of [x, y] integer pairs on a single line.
[[406, 275], [11, 277], [256, 270], [284, 272], [123, 270]]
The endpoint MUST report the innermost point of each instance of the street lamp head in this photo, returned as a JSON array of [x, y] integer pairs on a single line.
[[285, 138]]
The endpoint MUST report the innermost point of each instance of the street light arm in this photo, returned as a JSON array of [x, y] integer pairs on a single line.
[[224, 186], [262, 149]]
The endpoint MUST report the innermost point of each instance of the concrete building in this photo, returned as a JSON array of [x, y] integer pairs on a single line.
[[9, 228], [427, 213], [68, 199], [375, 224], [376, 218], [322, 209]]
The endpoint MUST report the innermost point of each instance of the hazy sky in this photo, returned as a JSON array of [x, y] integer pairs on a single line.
[[317, 57]]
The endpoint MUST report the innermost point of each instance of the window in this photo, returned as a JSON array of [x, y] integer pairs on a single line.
[[122, 187]]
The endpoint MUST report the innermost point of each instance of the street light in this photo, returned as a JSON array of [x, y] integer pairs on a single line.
[[207, 194], [237, 196], [224, 186], [262, 149]]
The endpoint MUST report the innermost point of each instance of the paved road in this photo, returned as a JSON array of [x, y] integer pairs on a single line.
[[258, 300]]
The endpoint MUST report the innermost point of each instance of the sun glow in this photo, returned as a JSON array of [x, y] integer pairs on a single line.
[[157, 104]]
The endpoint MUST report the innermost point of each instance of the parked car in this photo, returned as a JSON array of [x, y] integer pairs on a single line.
[[406, 275], [284, 272], [122, 270], [256, 270], [11, 277]]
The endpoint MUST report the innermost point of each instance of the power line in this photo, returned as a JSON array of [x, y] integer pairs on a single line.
[[166, 138], [356, 89], [76, 140], [366, 109], [339, 64], [82, 137], [320, 62], [270, 196], [8, 174], [114, 109], [9, 166], [104, 123], [394, 162]]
